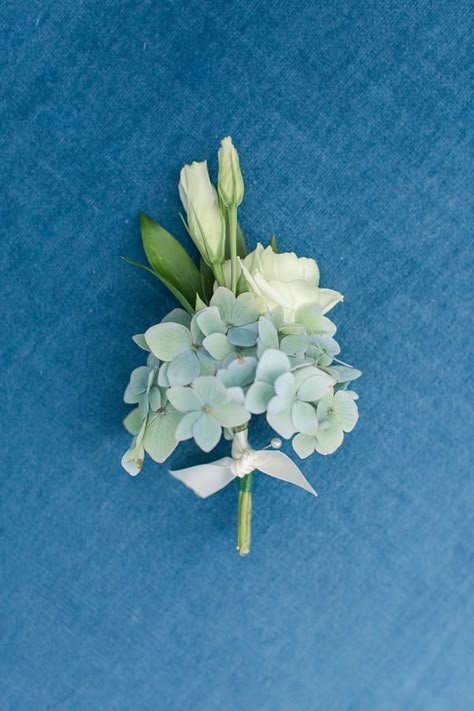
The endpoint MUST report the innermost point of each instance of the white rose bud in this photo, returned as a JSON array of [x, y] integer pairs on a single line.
[[205, 221], [230, 182], [286, 281]]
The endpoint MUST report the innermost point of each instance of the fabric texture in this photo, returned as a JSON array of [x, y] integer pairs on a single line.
[[352, 122]]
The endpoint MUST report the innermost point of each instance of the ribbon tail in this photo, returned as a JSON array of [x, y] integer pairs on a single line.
[[280, 466], [206, 479]]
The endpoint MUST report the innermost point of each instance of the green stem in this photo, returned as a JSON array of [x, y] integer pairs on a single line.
[[244, 515], [219, 274], [232, 217]]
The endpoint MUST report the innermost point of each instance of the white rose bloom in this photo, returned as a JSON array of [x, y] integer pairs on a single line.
[[205, 220], [285, 280]]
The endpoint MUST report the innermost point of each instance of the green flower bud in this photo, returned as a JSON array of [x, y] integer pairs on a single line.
[[230, 183], [205, 221]]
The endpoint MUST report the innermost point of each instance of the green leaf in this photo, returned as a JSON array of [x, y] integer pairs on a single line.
[[177, 294], [169, 260]]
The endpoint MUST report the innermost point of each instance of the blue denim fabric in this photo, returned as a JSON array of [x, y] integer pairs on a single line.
[[352, 120]]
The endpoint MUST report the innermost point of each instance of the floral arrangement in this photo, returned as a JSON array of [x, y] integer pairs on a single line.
[[250, 338]]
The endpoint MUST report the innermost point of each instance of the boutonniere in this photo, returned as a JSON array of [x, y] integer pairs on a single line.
[[251, 337]]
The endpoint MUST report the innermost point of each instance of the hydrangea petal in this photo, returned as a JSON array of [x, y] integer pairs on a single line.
[[168, 340], [258, 397], [160, 435], [272, 364], [294, 345], [210, 390], [243, 335], [267, 335], [328, 438], [207, 432], [218, 346], [314, 388], [231, 414], [281, 423], [154, 397], [177, 316], [345, 410], [304, 418], [240, 371], [139, 379], [303, 445], [209, 321], [184, 399], [133, 422], [184, 368], [244, 310], [184, 429], [224, 300], [285, 388], [139, 339]]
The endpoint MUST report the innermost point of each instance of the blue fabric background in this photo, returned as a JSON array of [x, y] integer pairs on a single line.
[[352, 123]]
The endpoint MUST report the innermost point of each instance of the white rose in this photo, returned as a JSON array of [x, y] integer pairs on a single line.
[[285, 280], [205, 221]]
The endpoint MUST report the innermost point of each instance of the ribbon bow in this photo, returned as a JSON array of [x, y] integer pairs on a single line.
[[207, 479]]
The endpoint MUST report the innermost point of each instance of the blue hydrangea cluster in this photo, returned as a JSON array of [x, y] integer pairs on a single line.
[[208, 373]]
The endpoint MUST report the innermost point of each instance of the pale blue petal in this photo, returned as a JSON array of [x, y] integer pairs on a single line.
[[184, 368], [303, 445], [163, 381], [177, 316], [314, 388], [133, 422], [231, 414], [236, 394], [267, 334], [210, 390], [343, 373], [184, 430], [160, 435], [304, 418], [218, 346], [209, 321], [154, 397], [345, 411], [294, 345], [258, 397], [272, 364], [240, 372], [285, 388], [243, 335], [184, 399], [196, 333], [130, 396], [207, 432], [139, 339], [168, 340], [328, 438], [243, 310], [139, 379], [281, 423], [143, 405], [224, 299]]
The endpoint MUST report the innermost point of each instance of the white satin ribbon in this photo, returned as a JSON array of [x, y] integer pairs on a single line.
[[207, 479]]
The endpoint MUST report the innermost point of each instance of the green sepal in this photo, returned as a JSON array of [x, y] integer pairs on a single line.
[[274, 244]]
